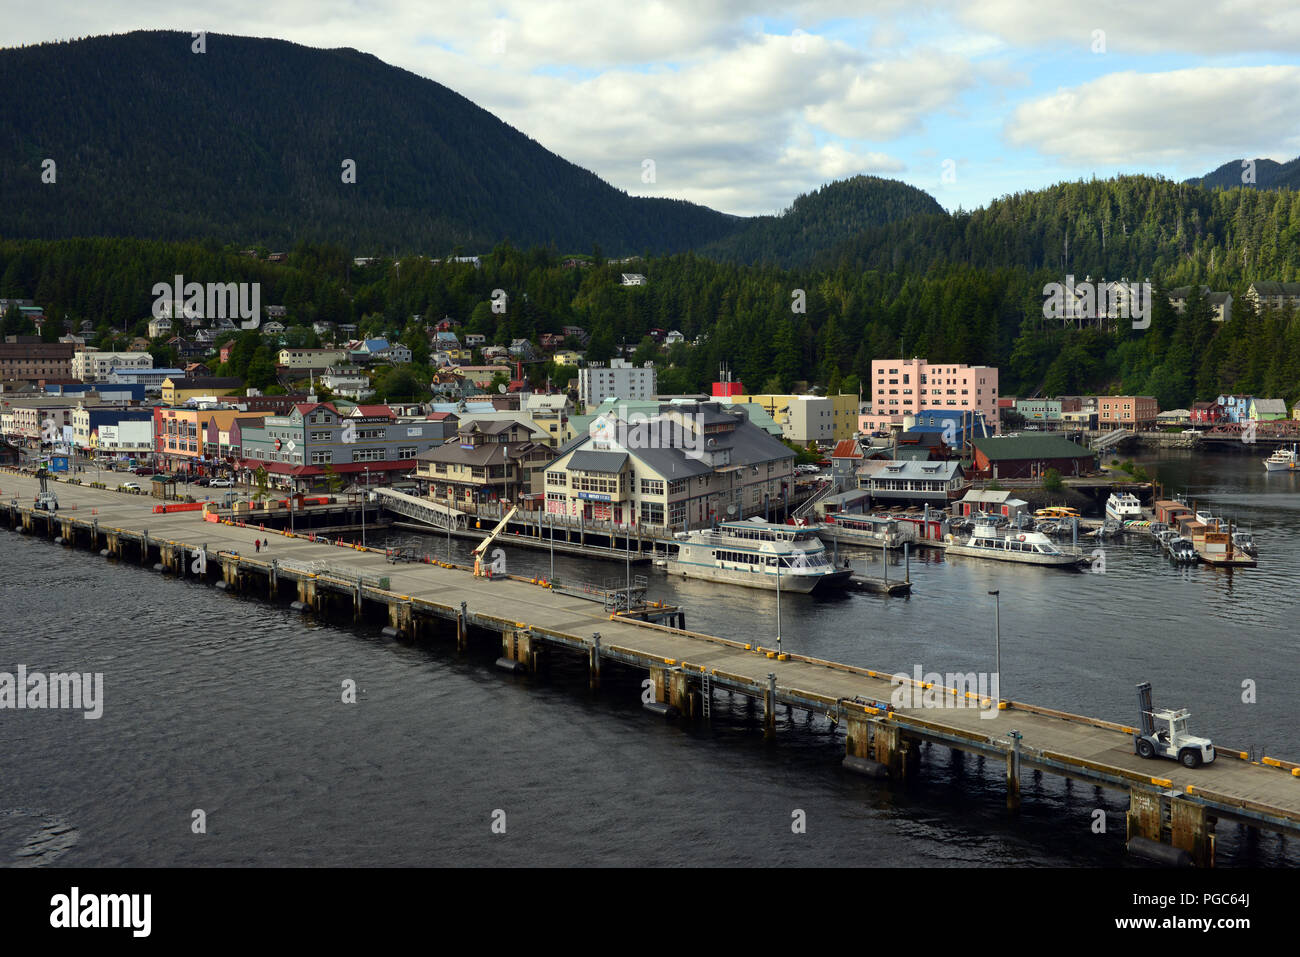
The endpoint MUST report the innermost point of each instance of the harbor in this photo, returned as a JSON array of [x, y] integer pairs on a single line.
[[531, 624]]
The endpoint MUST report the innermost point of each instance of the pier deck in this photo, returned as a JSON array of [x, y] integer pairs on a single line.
[[1167, 801]]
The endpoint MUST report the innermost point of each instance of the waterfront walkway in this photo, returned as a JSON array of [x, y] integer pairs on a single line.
[[1168, 803]]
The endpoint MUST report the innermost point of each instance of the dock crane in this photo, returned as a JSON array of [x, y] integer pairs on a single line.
[[479, 552]]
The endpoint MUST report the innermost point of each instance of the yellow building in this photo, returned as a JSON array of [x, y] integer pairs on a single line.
[[177, 391], [808, 418]]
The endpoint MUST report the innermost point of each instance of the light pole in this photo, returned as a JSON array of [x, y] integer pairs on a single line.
[[997, 634], [778, 604], [550, 528], [364, 492]]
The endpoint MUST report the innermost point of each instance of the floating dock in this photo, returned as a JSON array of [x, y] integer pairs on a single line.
[[1168, 803]]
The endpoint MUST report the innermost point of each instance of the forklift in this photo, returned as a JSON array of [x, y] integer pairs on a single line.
[[45, 499], [1164, 734]]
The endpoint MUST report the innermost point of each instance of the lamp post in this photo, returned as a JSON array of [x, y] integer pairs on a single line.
[[778, 604], [997, 634], [550, 527], [364, 492]]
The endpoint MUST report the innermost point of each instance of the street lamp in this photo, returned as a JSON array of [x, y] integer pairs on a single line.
[[364, 491], [997, 634], [778, 604]]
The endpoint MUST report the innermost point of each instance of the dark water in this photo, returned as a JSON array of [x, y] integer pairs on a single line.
[[228, 705]]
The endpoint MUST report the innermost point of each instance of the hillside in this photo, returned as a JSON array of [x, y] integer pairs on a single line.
[[245, 143], [1269, 174], [819, 220]]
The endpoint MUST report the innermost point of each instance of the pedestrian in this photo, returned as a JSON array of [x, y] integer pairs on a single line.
[[257, 546], [266, 543]]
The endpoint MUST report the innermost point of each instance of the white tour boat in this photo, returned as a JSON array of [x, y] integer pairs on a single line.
[[1123, 507], [1030, 548], [754, 554], [1282, 460]]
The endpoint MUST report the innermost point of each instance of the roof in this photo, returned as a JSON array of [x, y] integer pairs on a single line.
[[1003, 448], [1270, 405], [208, 382], [847, 449], [373, 411], [894, 468], [588, 461]]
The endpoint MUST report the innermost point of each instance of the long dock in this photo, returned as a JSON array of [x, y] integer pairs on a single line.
[[1169, 805]]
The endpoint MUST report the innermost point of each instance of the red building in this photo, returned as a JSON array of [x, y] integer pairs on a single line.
[[1207, 413]]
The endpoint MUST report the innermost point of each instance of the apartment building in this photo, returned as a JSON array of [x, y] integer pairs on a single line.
[[619, 380], [91, 365], [902, 387], [36, 360]]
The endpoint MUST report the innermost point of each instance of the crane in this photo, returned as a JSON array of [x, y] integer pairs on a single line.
[[498, 563]]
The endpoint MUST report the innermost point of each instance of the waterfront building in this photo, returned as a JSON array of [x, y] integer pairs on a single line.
[[88, 419], [1030, 456], [1002, 503], [1236, 408], [897, 481], [1136, 412], [488, 461], [683, 466], [1207, 413], [900, 387], [1266, 410]]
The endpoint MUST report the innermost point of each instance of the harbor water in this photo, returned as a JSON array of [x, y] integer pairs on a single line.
[[233, 707]]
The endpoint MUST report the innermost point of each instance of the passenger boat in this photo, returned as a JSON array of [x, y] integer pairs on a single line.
[[1030, 548], [1123, 506], [757, 554], [1283, 460], [1246, 542], [874, 530]]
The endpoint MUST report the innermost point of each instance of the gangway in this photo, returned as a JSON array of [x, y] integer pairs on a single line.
[[482, 547], [422, 509]]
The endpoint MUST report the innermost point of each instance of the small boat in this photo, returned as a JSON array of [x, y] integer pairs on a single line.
[[1283, 460], [1030, 548], [1181, 550], [1122, 506], [1246, 542]]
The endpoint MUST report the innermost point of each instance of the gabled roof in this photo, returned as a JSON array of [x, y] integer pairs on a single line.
[[847, 449], [1004, 448]]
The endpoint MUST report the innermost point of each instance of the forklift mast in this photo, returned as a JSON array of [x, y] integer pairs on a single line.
[[1144, 709]]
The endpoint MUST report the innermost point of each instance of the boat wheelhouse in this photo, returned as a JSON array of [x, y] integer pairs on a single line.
[[1123, 506], [757, 554]]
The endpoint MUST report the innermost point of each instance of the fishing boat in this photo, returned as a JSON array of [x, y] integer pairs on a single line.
[[1123, 506], [1181, 550], [1283, 460], [1030, 548], [758, 554], [1246, 542]]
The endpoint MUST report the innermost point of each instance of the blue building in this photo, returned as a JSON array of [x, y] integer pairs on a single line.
[[953, 424]]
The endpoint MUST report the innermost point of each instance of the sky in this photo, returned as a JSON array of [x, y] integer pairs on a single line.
[[744, 106]]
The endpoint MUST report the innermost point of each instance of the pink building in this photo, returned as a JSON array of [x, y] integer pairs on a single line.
[[902, 387]]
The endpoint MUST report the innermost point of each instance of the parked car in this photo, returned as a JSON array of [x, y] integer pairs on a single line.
[[221, 483], [129, 487], [145, 470]]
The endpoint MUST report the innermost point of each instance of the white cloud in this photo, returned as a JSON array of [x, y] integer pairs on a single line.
[[1178, 117], [1150, 26]]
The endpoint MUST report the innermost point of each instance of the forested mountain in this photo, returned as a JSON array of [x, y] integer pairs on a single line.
[[1269, 174], [820, 220], [1134, 226], [246, 143]]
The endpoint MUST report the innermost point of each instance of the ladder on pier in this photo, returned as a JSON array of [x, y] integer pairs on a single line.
[[706, 691]]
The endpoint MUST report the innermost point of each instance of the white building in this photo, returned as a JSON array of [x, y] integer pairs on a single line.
[[126, 438], [91, 365], [348, 385], [619, 380]]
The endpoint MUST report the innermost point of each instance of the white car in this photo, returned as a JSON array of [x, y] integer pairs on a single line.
[[221, 483], [129, 487]]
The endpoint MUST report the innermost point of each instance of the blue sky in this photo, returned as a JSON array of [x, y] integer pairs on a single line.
[[744, 105]]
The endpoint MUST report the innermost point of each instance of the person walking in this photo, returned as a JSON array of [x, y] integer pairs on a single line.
[[257, 545]]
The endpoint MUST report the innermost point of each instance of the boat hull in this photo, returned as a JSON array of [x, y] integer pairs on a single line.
[[798, 584], [1020, 558]]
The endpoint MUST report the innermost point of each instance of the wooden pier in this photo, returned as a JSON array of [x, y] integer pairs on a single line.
[[1169, 804]]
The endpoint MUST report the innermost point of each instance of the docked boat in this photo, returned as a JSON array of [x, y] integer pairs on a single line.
[[1283, 460], [874, 530], [1030, 548], [1181, 550], [1246, 542], [758, 554], [1123, 507]]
